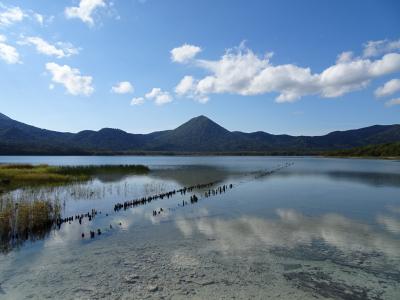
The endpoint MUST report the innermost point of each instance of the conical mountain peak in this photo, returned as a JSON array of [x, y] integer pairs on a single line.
[[201, 124]]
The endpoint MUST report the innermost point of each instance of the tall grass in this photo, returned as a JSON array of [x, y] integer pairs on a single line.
[[26, 220]]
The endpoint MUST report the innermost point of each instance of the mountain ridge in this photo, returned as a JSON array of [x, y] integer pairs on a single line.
[[198, 135]]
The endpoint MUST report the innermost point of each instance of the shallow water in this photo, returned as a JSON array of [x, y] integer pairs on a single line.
[[321, 228]]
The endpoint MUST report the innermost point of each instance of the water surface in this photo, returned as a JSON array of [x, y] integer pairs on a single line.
[[320, 228]]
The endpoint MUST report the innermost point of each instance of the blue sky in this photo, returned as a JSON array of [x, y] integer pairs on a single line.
[[296, 67]]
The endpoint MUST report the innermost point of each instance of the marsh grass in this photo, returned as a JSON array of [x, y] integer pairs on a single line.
[[29, 206], [13, 176], [91, 170], [17, 176], [26, 220]]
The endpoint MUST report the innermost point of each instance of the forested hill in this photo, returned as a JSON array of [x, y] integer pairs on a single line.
[[382, 150], [199, 135]]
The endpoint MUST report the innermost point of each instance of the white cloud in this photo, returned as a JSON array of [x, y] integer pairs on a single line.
[[7, 52], [59, 50], [344, 57], [71, 78], [184, 53], [137, 101], [392, 102], [10, 15], [123, 87], [160, 97], [389, 88], [187, 87], [85, 10], [39, 18], [240, 71], [376, 48]]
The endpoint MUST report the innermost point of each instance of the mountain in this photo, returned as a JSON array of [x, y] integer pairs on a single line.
[[20, 138], [4, 117], [198, 135]]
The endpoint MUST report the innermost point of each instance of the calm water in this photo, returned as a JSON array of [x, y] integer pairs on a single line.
[[320, 228]]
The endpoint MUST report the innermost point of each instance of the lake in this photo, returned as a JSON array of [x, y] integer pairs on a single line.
[[268, 227]]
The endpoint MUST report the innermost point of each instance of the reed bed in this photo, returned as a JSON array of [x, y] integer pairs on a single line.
[[26, 220], [29, 204], [91, 170], [14, 176]]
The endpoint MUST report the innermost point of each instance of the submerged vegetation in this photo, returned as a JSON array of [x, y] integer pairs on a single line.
[[14, 176]]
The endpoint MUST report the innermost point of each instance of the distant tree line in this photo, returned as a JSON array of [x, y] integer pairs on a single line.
[[381, 150]]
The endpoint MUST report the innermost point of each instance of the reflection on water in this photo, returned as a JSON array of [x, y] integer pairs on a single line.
[[192, 175], [292, 229], [99, 188], [322, 228], [390, 223], [370, 178]]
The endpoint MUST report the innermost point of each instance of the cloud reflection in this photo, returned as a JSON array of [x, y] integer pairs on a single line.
[[289, 230], [394, 209], [390, 223]]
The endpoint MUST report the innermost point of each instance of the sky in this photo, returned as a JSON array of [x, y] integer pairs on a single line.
[[294, 67]]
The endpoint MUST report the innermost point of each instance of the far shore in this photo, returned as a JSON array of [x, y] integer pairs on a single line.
[[201, 154]]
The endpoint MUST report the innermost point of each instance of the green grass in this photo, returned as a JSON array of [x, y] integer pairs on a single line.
[[13, 176], [17, 176]]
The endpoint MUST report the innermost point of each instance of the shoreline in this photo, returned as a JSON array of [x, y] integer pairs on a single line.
[[203, 155]]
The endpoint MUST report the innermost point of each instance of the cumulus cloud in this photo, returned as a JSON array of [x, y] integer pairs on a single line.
[[85, 10], [59, 50], [389, 88], [185, 86], [10, 15], [376, 48], [241, 71], [71, 79], [392, 102], [123, 87], [160, 97], [344, 57], [137, 101], [7, 52], [184, 53]]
